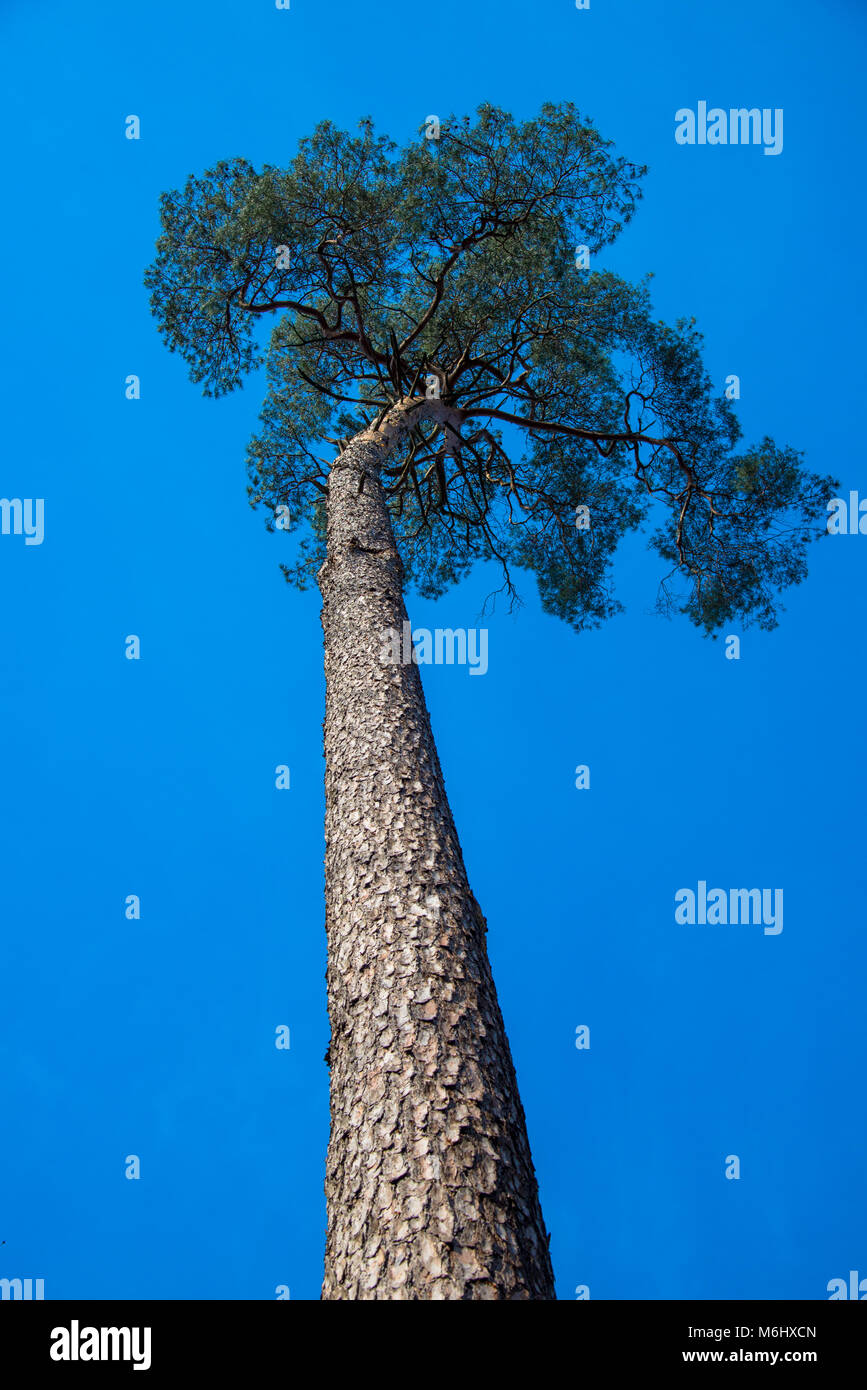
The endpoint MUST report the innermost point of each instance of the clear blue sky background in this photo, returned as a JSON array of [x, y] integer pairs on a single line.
[[157, 778]]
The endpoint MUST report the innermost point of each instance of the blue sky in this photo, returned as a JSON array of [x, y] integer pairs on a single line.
[[156, 777]]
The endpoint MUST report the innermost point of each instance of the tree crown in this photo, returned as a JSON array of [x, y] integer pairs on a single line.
[[447, 272]]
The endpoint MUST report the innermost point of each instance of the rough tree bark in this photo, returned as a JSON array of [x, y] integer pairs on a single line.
[[430, 1186]]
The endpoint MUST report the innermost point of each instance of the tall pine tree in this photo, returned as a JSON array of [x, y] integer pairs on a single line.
[[486, 395]]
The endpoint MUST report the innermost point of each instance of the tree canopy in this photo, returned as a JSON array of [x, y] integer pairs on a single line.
[[447, 270]]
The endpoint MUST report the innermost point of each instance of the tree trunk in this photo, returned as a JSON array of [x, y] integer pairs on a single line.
[[430, 1186]]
